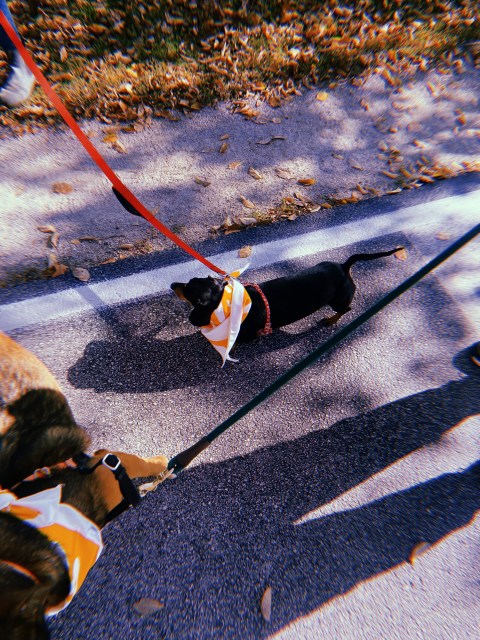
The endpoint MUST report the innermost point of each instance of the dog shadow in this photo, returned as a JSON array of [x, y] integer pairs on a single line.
[[209, 543], [146, 364]]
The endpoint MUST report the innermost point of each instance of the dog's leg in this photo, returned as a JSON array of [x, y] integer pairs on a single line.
[[328, 322]]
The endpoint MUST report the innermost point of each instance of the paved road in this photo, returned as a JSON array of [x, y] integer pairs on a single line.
[[323, 491]]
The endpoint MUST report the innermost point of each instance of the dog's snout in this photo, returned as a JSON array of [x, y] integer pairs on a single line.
[[178, 288]]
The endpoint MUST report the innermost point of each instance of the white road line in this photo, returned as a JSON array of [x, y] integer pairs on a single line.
[[447, 213]]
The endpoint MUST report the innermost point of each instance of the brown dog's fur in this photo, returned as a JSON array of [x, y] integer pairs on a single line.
[[37, 429]]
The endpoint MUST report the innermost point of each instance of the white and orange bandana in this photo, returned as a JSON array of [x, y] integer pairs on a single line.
[[227, 318], [78, 537]]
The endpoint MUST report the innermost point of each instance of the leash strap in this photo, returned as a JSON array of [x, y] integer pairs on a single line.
[[124, 195], [178, 463]]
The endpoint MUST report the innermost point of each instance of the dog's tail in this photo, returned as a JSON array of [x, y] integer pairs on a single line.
[[361, 257]]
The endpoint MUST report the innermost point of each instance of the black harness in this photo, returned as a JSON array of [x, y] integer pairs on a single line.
[[81, 463]]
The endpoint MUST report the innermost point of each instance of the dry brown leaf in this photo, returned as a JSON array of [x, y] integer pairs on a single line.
[[247, 203], [389, 174], [254, 173], [223, 147], [110, 137], [118, 146], [62, 187], [401, 255], [55, 268], [244, 252], [53, 240], [235, 164], [266, 604], [76, 241], [47, 228], [147, 606], [81, 274], [128, 246], [63, 54], [357, 166], [109, 261], [225, 136], [322, 96], [286, 174], [417, 551], [292, 217], [442, 235], [338, 156], [307, 182], [276, 120], [204, 183]]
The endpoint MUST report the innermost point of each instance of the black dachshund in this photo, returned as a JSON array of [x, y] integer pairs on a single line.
[[278, 302]]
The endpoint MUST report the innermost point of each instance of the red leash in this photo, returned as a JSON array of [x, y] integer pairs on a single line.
[[124, 195]]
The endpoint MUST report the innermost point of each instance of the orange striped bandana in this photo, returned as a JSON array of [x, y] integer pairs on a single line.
[[227, 318], [78, 537]]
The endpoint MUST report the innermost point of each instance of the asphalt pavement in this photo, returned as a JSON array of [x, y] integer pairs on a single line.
[[352, 492]]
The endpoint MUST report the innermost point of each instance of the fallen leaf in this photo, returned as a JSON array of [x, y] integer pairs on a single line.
[[254, 173], [53, 240], [244, 252], [307, 182], [266, 604], [271, 139], [47, 228], [417, 550], [62, 187], [76, 241], [322, 96], [81, 274], [147, 606], [204, 183], [357, 166], [223, 147], [110, 137], [442, 235], [247, 203], [225, 136], [127, 246], [401, 255], [118, 146], [248, 221], [63, 54], [286, 174], [276, 120], [293, 217], [338, 156], [109, 261], [234, 164], [54, 267]]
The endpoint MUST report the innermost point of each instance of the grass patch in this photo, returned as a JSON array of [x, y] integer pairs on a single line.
[[124, 61]]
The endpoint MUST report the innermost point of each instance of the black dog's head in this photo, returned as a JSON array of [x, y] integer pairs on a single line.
[[204, 294]]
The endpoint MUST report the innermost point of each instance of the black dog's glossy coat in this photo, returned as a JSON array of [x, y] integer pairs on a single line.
[[290, 298]]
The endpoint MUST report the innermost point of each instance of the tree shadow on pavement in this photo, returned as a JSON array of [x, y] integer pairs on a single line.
[[209, 543]]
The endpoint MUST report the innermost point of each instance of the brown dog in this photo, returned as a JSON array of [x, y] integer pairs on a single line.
[[39, 573]]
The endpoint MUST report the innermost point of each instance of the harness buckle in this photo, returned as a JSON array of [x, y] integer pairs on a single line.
[[111, 461]]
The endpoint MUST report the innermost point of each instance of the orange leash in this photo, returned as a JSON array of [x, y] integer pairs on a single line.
[[124, 195]]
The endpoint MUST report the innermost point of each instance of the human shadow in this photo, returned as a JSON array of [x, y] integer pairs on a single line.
[[209, 543]]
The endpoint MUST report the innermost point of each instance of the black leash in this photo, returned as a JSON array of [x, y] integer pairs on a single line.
[[180, 461]]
